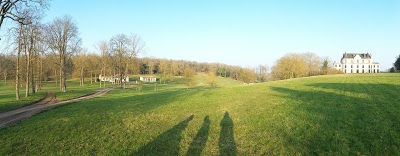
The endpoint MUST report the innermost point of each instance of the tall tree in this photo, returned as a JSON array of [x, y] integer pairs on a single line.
[[123, 49], [17, 76], [103, 48], [63, 40], [119, 45]]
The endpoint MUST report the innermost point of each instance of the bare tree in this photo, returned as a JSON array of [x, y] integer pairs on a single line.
[[262, 73], [63, 40], [103, 48], [313, 63], [122, 49], [19, 38], [14, 9], [119, 45]]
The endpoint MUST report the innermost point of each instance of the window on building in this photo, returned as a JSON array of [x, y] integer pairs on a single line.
[[351, 66], [358, 61], [363, 61], [357, 67], [345, 66], [363, 66]]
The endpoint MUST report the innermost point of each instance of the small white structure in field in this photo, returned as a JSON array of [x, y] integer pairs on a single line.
[[148, 79], [113, 78]]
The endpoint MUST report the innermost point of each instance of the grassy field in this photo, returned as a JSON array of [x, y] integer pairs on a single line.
[[328, 115], [7, 97], [7, 93]]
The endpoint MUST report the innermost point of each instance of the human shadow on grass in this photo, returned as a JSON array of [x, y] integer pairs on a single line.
[[166, 143], [199, 142], [227, 145], [339, 124]]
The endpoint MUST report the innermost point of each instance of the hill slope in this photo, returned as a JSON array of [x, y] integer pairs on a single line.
[[340, 115]]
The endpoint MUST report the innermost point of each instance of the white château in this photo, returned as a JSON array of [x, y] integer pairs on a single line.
[[357, 63]]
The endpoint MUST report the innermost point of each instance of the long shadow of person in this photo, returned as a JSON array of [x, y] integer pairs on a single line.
[[166, 143], [199, 142], [227, 145]]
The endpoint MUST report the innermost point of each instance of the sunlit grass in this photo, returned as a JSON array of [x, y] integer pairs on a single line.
[[8, 100], [329, 115]]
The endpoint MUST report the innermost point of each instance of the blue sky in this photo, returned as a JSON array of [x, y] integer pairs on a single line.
[[245, 33]]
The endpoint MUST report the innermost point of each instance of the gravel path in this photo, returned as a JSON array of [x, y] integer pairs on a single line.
[[11, 117]]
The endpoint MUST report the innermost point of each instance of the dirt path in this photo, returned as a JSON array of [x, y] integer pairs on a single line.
[[13, 116]]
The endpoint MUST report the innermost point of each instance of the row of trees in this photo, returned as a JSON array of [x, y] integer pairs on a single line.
[[295, 65], [34, 41]]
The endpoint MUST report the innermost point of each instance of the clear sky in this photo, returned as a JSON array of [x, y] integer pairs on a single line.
[[242, 32]]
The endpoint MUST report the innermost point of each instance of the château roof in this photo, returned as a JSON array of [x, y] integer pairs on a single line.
[[352, 55]]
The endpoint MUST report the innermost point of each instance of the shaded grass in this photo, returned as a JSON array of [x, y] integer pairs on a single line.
[[326, 115]]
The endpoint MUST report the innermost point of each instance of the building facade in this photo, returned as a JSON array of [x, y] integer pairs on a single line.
[[148, 79], [357, 63]]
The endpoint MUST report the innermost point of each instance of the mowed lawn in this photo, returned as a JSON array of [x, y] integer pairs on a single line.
[[328, 115], [7, 97], [7, 93]]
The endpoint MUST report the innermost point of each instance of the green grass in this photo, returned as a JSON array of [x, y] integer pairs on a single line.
[[7, 97], [7, 93], [201, 80], [325, 115], [73, 89]]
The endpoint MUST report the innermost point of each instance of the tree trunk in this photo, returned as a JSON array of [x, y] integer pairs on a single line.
[[101, 74], [41, 72], [60, 73], [32, 57], [32, 75], [64, 76], [81, 76], [55, 76], [27, 58], [5, 77], [17, 66], [105, 75], [91, 77]]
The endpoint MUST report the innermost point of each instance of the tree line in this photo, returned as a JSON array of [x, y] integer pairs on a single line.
[[52, 51]]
